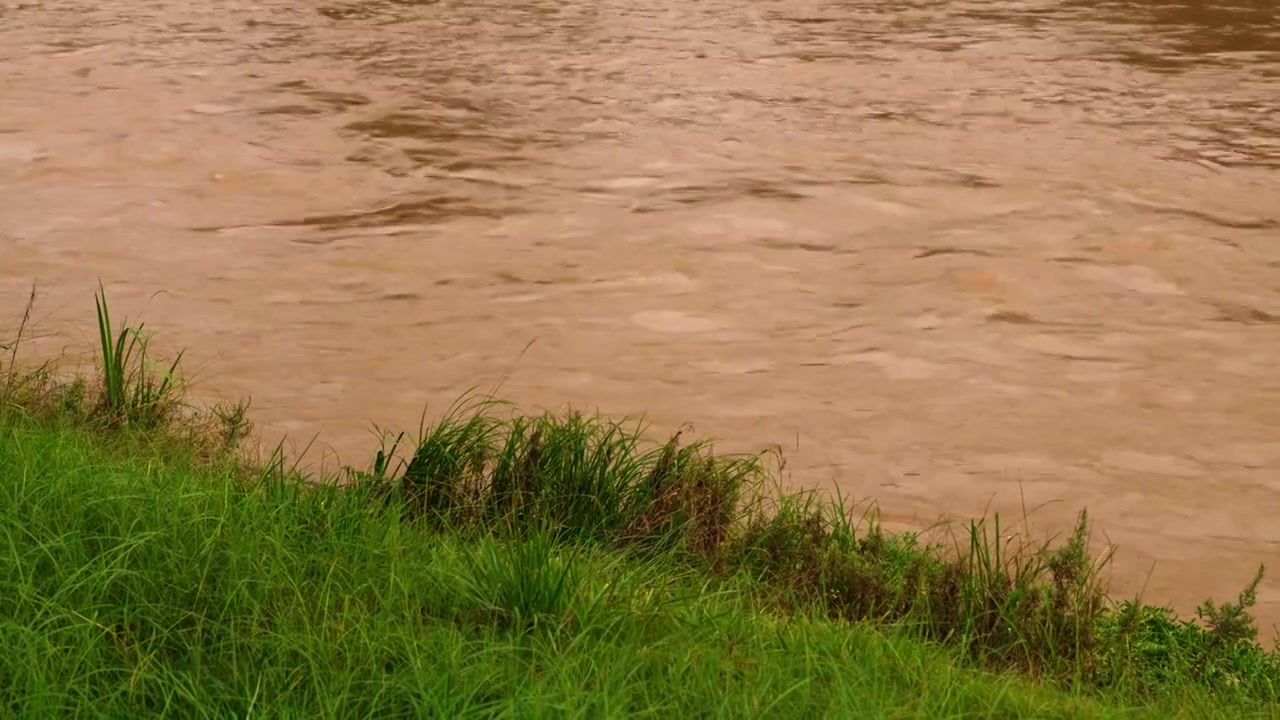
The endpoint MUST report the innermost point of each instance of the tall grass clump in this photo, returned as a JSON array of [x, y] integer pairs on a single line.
[[577, 477], [1032, 608], [132, 393]]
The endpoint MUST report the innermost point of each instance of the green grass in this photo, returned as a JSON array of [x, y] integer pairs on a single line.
[[130, 391], [506, 565]]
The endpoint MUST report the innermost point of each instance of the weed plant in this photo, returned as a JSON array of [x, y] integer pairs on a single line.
[[130, 391]]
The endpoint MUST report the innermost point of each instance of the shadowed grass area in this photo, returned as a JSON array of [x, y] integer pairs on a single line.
[[549, 565]]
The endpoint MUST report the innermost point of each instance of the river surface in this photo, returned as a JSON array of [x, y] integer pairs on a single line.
[[953, 256]]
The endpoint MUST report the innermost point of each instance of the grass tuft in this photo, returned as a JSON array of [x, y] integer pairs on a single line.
[[131, 393], [575, 476]]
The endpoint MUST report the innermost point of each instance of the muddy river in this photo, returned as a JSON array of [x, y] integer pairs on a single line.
[[952, 255]]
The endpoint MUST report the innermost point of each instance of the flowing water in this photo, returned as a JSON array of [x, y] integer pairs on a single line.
[[952, 255]]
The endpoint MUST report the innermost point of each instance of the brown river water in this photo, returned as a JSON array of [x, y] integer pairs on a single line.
[[952, 255]]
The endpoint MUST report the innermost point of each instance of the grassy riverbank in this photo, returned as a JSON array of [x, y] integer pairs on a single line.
[[530, 566]]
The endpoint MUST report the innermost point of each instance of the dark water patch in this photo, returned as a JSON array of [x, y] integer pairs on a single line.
[[780, 244], [935, 252], [292, 109], [433, 210], [1243, 314], [404, 125], [316, 101], [1222, 221], [1012, 317], [348, 12], [337, 100], [430, 210], [1192, 27], [807, 20], [705, 194]]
